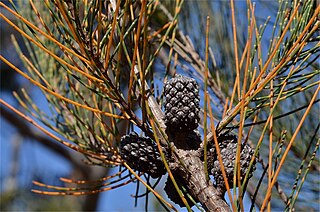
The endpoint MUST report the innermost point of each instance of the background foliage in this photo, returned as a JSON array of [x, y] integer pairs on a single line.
[[85, 94]]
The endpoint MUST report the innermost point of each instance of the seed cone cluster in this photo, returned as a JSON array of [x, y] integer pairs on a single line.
[[228, 150], [181, 104], [182, 118], [142, 154]]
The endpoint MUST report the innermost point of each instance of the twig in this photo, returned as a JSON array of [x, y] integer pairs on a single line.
[[25, 130]]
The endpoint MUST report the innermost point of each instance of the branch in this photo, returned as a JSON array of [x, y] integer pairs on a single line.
[[25, 130], [86, 172], [194, 178]]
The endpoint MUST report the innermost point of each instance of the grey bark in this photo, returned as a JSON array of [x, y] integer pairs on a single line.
[[193, 174]]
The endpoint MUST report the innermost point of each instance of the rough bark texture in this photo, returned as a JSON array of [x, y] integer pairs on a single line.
[[193, 174]]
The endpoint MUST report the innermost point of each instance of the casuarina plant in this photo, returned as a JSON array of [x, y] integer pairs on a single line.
[[202, 105]]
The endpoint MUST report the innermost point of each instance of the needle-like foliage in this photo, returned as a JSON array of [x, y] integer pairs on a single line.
[[102, 66]]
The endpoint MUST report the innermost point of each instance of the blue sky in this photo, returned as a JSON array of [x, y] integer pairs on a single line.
[[35, 158]]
